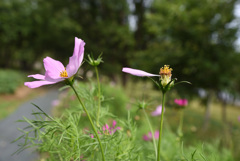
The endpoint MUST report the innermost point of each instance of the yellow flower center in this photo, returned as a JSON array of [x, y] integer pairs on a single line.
[[165, 71], [64, 74]]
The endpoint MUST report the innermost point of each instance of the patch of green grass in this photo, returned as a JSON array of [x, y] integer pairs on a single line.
[[193, 118], [194, 138], [10, 80], [193, 115]]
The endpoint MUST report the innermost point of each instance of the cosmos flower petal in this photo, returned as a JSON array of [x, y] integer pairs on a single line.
[[137, 72], [181, 102], [37, 76], [156, 134], [158, 111], [114, 123], [53, 68], [77, 58], [107, 127], [149, 136], [48, 77], [36, 84], [145, 138]]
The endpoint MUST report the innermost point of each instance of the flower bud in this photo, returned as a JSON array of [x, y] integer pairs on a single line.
[[94, 62], [166, 74], [142, 104]]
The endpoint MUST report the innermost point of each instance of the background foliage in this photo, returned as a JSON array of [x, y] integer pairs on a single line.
[[7, 85], [197, 38], [194, 37]]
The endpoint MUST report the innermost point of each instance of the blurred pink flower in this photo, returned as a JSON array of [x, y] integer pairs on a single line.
[[181, 102], [55, 103], [91, 135], [148, 136], [137, 72], [107, 130], [158, 111], [239, 118], [110, 130], [55, 71]]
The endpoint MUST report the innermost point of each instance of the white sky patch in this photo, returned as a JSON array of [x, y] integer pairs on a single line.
[[236, 23]]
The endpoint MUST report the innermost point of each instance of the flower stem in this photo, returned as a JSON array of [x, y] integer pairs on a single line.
[[160, 129], [151, 129], [90, 120], [99, 96], [180, 133]]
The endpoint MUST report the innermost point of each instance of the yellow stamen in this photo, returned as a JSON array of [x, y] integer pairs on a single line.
[[166, 74], [166, 71], [64, 74]]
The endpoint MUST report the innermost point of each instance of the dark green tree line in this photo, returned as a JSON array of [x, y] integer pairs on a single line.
[[196, 39]]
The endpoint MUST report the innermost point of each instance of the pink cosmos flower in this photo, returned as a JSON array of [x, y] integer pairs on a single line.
[[107, 130], [181, 102], [158, 111], [55, 71], [55, 103], [148, 136], [110, 130], [139, 73]]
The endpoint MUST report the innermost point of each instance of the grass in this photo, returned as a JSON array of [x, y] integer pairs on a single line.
[[10, 80], [193, 117], [216, 111], [10, 102]]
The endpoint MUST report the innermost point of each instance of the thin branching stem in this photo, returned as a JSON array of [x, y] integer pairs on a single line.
[[160, 129], [99, 96], [151, 129], [90, 120]]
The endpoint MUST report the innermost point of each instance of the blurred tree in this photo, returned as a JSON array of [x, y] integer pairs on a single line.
[[196, 38], [139, 33], [105, 29], [31, 28]]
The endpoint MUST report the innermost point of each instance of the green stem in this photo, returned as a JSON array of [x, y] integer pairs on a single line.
[[151, 129], [160, 129], [180, 133], [99, 96], [90, 120]]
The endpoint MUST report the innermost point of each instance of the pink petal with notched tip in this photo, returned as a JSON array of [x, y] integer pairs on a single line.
[[36, 84], [77, 58], [137, 72], [53, 68]]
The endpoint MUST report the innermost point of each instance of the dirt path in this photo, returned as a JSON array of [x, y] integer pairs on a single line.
[[9, 132]]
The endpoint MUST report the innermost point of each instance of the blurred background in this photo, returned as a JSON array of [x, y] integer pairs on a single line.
[[199, 39]]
